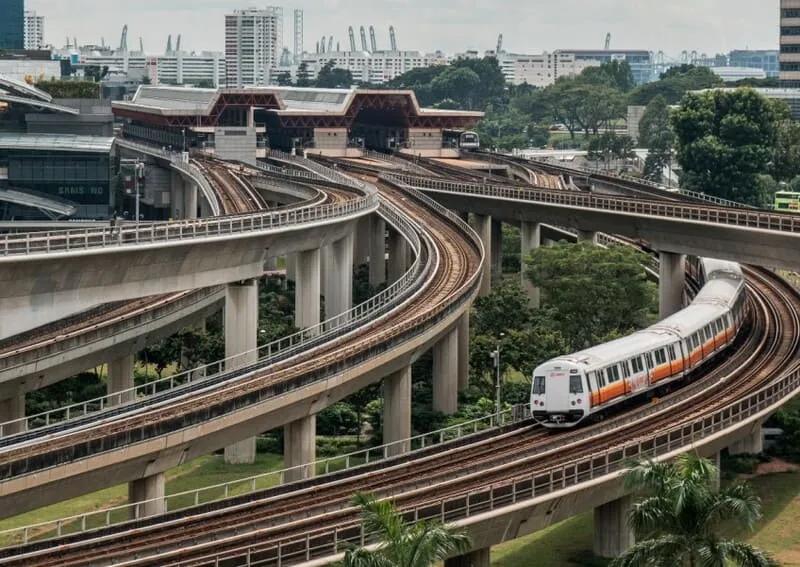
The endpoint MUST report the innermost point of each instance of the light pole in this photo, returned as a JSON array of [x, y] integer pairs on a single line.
[[495, 354], [138, 173]]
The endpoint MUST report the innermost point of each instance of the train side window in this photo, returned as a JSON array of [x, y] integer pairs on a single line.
[[614, 373], [538, 385], [626, 371], [601, 378], [671, 351], [649, 359], [589, 377], [659, 356], [639, 364]]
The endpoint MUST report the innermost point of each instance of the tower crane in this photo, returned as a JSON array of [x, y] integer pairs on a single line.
[[178, 44], [352, 38], [363, 39], [372, 39], [330, 44], [608, 41], [123, 40], [499, 44], [392, 39]]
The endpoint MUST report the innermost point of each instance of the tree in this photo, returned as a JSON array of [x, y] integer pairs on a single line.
[[565, 98], [402, 545], [615, 74], [592, 291], [284, 79], [786, 157], [677, 521], [725, 139], [331, 77], [456, 83], [303, 75], [655, 133], [674, 83]]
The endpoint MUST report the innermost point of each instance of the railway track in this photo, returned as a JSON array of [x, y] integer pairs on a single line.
[[768, 347]]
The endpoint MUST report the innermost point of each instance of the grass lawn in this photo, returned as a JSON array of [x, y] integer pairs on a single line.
[[569, 543]]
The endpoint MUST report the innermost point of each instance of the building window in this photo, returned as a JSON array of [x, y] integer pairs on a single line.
[[790, 30], [790, 13]]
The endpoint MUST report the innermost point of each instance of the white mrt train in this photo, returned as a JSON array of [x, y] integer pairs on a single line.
[[568, 389]]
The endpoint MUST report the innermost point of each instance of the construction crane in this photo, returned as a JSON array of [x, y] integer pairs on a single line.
[[338, 47], [330, 44], [352, 38], [178, 44], [608, 41], [392, 39], [322, 45], [317, 51], [123, 41], [499, 44], [372, 39], [363, 39], [169, 44], [141, 45]]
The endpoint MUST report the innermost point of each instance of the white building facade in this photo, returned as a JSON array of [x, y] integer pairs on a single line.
[[253, 45], [541, 70], [34, 30], [376, 68]]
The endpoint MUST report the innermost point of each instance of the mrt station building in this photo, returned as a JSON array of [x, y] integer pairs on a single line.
[[243, 123]]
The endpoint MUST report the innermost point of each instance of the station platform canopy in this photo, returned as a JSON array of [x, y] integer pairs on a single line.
[[288, 107]]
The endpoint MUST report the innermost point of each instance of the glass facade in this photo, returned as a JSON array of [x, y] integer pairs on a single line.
[[12, 24], [766, 59], [84, 179]]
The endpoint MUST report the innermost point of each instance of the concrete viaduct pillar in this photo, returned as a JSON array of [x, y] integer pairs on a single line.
[[205, 208], [397, 410], [148, 494], [463, 350], [377, 251], [120, 379], [241, 333], [176, 196], [398, 255], [671, 277], [612, 535], [291, 267], [339, 277], [445, 373], [483, 226], [587, 236], [361, 244], [530, 235], [190, 200], [497, 250], [300, 436], [752, 444], [12, 409], [475, 558]]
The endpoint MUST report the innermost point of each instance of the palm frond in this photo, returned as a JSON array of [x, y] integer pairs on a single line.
[[738, 502], [380, 517], [360, 557], [648, 475], [651, 515], [662, 551], [745, 555], [433, 542]]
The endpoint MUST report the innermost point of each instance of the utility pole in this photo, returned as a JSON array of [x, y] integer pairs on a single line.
[[495, 355], [138, 173]]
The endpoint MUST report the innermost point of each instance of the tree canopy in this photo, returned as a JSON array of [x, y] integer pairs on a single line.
[[678, 518], [655, 133], [725, 139], [597, 291], [674, 83]]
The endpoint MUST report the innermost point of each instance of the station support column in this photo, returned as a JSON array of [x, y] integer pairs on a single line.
[[612, 534], [530, 236], [497, 250], [148, 495], [12, 409], [120, 379], [241, 333], [190, 200], [671, 278], [475, 558], [377, 251], [445, 373], [751, 444], [587, 236], [339, 277], [397, 410], [483, 226], [300, 436], [463, 350], [361, 244], [176, 196]]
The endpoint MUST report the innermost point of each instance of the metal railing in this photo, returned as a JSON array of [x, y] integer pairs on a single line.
[[539, 483], [752, 218], [178, 231], [265, 355], [106, 517]]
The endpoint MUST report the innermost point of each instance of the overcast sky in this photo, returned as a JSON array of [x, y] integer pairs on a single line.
[[528, 26]]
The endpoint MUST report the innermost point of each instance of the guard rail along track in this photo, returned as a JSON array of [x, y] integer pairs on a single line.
[[518, 466]]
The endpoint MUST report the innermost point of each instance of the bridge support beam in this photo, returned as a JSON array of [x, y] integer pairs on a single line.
[[475, 558], [483, 226], [361, 244], [398, 255], [205, 208], [190, 200], [241, 333], [300, 448], [497, 250], [12, 409], [463, 351], [291, 267], [307, 288], [397, 411], [148, 494], [587, 236], [671, 277], [752, 444], [176, 196], [120, 379], [339, 277], [612, 535], [530, 235], [445, 373], [377, 251]]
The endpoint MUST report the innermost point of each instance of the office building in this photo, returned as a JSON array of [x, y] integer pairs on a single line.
[[640, 61], [790, 43], [34, 30], [375, 68], [541, 70], [12, 24], [253, 45], [765, 59]]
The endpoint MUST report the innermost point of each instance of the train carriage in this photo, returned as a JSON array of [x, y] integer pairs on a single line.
[[571, 388]]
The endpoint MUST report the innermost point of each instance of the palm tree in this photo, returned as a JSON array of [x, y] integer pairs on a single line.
[[678, 519], [402, 545]]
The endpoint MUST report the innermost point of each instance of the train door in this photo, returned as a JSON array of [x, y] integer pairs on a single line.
[[648, 360], [675, 359]]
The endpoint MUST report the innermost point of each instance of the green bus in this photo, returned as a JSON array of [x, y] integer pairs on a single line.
[[787, 201]]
